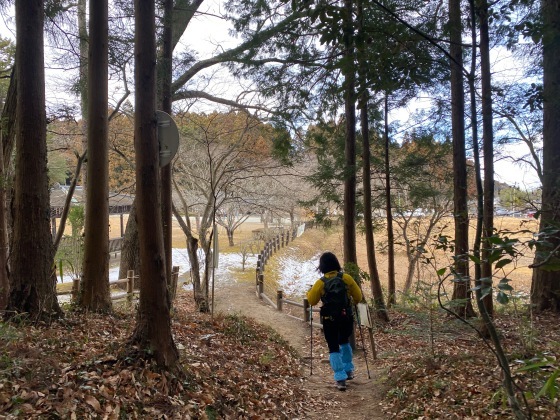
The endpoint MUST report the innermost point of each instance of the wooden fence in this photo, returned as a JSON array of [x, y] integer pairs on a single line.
[[304, 309], [270, 247], [131, 283]]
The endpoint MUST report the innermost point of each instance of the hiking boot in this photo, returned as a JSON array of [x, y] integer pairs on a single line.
[[350, 375], [341, 385]]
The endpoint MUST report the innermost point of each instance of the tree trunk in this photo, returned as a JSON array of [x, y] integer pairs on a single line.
[[461, 286], [503, 361], [545, 289], [375, 282], [391, 284], [350, 255], [165, 73], [488, 148], [83, 84], [153, 328], [32, 288], [130, 257], [412, 259], [192, 250], [476, 157], [230, 237], [376, 290], [68, 203], [94, 294], [8, 122], [4, 281], [8, 132]]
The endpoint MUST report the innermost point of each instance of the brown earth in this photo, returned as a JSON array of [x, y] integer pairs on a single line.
[[359, 401], [363, 397]]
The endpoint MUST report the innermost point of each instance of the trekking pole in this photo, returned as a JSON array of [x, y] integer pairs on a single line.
[[311, 359], [363, 343]]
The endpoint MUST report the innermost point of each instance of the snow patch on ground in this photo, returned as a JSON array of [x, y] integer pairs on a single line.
[[297, 275], [227, 263]]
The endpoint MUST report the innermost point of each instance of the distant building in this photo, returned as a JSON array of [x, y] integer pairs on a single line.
[[118, 203]]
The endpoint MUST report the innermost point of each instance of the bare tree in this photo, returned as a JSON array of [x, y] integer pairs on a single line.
[[231, 216], [228, 154]]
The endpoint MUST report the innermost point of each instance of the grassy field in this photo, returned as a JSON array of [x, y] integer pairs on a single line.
[[318, 240]]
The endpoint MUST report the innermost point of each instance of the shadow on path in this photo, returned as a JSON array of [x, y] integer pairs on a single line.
[[362, 398]]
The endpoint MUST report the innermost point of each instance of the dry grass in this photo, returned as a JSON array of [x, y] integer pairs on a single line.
[[319, 240], [508, 226]]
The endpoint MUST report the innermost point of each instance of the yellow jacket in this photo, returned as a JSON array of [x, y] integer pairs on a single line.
[[315, 293]]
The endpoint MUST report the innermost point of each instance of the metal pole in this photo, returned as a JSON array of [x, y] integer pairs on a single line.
[[311, 359]]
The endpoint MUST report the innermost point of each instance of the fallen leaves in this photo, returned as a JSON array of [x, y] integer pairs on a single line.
[[458, 377], [235, 368], [232, 367]]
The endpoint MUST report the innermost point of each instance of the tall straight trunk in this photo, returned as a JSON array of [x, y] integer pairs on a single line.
[[488, 148], [350, 255], [376, 290], [489, 329], [4, 281], [94, 294], [83, 83], [8, 122], [165, 70], [391, 284], [476, 155], [545, 288], [32, 288], [8, 132], [153, 327], [461, 287]]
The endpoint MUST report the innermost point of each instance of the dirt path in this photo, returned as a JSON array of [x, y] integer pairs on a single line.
[[361, 399]]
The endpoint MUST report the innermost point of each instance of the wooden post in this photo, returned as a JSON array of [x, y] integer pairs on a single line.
[[122, 225], [53, 226], [279, 296], [260, 286], [75, 289], [130, 284], [372, 342], [174, 283]]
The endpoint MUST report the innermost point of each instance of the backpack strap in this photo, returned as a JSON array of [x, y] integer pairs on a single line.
[[338, 274]]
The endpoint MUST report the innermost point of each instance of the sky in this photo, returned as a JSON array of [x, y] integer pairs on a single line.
[[208, 33]]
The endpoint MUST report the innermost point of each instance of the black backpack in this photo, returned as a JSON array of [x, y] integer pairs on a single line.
[[335, 298]]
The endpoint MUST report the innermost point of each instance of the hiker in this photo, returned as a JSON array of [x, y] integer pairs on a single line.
[[335, 289]]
